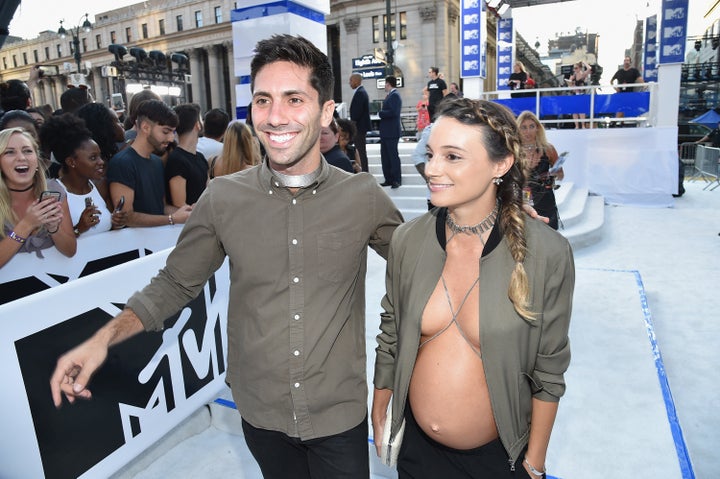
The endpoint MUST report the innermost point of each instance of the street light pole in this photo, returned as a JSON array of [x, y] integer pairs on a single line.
[[75, 32]]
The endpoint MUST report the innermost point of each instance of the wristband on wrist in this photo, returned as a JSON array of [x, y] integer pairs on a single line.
[[53, 231], [534, 471], [171, 220], [17, 237]]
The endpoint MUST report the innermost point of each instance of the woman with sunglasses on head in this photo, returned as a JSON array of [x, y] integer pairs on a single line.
[[540, 157], [474, 334]]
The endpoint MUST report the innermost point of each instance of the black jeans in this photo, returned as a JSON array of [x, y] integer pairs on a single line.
[[341, 456], [421, 457]]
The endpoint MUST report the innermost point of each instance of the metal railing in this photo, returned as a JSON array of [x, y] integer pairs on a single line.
[[602, 109]]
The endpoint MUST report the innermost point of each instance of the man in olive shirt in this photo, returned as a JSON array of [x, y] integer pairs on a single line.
[[298, 248]]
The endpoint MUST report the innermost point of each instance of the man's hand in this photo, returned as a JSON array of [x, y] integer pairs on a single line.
[[74, 370]]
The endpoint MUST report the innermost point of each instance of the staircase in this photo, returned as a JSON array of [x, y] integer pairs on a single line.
[[581, 214]]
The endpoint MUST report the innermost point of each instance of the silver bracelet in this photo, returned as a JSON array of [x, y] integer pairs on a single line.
[[534, 471]]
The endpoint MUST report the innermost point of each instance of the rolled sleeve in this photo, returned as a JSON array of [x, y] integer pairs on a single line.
[[553, 356], [386, 350]]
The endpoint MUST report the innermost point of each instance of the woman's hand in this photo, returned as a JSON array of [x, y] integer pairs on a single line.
[[47, 213], [119, 219], [89, 218]]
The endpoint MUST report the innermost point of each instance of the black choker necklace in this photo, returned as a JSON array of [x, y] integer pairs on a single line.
[[21, 191]]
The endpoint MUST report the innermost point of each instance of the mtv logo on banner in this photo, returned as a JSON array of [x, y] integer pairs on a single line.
[[673, 31]]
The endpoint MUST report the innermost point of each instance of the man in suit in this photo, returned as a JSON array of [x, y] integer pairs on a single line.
[[360, 115], [390, 129]]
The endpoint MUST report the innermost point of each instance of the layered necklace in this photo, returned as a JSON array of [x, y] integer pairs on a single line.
[[478, 229], [296, 181]]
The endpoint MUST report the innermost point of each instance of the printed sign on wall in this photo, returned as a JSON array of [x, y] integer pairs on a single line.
[[673, 31], [472, 39], [505, 42], [650, 72]]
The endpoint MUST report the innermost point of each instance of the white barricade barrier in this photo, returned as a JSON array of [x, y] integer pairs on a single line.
[[147, 386]]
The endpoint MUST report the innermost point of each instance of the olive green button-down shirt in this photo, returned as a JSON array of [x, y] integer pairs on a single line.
[[296, 314]]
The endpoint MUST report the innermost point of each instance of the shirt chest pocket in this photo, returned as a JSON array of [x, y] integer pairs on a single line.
[[339, 254]]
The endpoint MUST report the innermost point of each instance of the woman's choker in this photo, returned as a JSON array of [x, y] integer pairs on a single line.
[[23, 190]]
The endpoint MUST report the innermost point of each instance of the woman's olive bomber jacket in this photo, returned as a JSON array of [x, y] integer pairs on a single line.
[[522, 359]]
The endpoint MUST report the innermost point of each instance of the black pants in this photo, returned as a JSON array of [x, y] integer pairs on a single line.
[[390, 159], [342, 456], [421, 457], [361, 146]]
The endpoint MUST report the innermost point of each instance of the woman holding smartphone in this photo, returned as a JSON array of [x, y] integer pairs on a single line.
[[31, 221], [81, 161]]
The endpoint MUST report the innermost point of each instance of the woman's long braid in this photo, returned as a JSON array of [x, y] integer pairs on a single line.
[[501, 138]]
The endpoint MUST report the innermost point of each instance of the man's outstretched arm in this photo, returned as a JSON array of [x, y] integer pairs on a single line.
[[75, 368]]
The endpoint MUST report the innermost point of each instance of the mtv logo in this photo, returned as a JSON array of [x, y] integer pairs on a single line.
[[471, 65], [471, 34], [672, 32], [504, 82], [471, 50], [504, 23], [672, 50], [652, 22], [471, 19], [470, 3], [651, 47], [506, 36], [504, 71], [504, 59], [652, 73], [674, 13], [652, 34], [504, 48], [650, 60]]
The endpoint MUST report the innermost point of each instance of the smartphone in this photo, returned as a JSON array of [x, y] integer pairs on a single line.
[[88, 202], [50, 194], [120, 205]]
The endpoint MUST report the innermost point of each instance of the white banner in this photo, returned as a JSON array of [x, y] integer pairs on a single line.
[[147, 386]]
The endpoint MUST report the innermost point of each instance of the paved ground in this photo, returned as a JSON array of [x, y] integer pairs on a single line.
[[643, 388]]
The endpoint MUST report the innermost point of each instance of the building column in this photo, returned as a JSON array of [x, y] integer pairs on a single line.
[[196, 80], [48, 97], [217, 91], [60, 86], [233, 80], [37, 93], [98, 92]]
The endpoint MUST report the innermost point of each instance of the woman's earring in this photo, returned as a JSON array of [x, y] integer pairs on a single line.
[[497, 180]]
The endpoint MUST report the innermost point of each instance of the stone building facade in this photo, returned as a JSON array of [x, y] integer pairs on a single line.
[[426, 33]]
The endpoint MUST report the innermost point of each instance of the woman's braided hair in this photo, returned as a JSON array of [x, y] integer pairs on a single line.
[[501, 139]]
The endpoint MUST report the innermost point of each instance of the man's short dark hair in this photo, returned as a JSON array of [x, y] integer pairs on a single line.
[[300, 51], [435, 70], [73, 98], [216, 122], [157, 112], [188, 116], [14, 95], [391, 80]]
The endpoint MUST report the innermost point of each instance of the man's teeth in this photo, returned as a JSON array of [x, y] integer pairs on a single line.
[[281, 138]]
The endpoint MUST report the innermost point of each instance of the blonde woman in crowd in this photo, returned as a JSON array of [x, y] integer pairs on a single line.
[[240, 151], [474, 335], [30, 220]]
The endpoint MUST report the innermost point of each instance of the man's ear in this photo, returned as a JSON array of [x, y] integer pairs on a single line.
[[328, 110]]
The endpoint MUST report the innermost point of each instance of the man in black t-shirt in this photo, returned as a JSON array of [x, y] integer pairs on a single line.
[[713, 137], [437, 88], [627, 74]]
